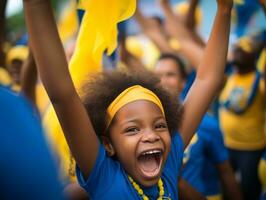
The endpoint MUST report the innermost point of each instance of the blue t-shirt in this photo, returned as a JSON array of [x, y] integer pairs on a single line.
[[27, 169], [190, 79], [108, 179], [205, 150]]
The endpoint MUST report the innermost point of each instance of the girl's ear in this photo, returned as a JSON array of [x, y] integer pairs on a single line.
[[108, 146]]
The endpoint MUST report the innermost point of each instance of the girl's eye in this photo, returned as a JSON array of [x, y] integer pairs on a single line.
[[132, 130], [161, 126]]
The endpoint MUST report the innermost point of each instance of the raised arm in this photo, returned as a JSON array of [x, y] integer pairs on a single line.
[[191, 49], [210, 72], [132, 63], [153, 30], [190, 16], [52, 66], [29, 78], [191, 22]]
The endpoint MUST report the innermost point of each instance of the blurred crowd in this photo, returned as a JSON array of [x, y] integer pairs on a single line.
[[226, 158]]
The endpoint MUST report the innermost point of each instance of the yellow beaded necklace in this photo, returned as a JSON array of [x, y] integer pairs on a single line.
[[141, 193]]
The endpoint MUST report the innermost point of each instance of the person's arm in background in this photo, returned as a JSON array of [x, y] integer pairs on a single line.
[[187, 192], [154, 31], [29, 78], [190, 22], [191, 50], [210, 71], [133, 64], [229, 185], [2, 32]]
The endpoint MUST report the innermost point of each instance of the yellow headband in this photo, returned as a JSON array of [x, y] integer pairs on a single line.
[[129, 95]]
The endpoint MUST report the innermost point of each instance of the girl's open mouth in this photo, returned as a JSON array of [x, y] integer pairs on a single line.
[[149, 163]]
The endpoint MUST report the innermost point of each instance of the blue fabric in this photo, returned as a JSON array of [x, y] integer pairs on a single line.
[[23, 40], [263, 196], [108, 179], [27, 169], [80, 14], [190, 79], [202, 156], [244, 13]]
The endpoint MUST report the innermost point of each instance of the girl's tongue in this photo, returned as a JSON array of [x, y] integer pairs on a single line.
[[149, 164]]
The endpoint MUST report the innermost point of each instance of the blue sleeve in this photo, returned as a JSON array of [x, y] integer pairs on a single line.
[[216, 149], [175, 157], [264, 156], [190, 79], [101, 176], [228, 69]]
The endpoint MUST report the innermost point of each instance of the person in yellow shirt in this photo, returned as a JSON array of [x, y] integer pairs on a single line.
[[14, 60], [242, 114]]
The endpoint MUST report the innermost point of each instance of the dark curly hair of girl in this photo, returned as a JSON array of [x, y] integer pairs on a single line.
[[101, 89]]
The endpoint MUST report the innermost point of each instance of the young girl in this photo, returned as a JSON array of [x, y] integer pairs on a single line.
[[138, 154]]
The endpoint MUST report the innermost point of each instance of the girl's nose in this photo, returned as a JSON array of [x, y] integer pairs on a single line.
[[150, 136]]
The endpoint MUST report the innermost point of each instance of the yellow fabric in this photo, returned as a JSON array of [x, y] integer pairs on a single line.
[[98, 30], [97, 33], [68, 22], [182, 8], [245, 43], [239, 2], [19, 52], [244, 131], [16, 87], [129, 95], [262, 173], [188, 148], [5, 79], [144, 49], [262, 61], [42, 99], [175, 44], [215, 197], [134, 46]]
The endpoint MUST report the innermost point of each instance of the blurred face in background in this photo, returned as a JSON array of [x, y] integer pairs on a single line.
[[170, 75], [14, 70]]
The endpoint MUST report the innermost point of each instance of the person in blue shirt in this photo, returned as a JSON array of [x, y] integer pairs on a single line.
[[206, 162], [206, 156], [27, 168], [122, 135], [244, 11]]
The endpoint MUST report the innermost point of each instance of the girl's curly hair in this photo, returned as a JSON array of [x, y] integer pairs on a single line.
[[101, 89]]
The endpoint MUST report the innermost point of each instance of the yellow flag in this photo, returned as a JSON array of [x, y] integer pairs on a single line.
[[98, 31], [68, 22]]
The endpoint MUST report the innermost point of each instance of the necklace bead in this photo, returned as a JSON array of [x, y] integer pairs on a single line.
[[141, 193]]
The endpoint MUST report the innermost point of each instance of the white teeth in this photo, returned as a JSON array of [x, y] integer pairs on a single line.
[[151, 152]]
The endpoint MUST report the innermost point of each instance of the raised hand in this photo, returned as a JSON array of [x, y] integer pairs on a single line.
[[227, 4]]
